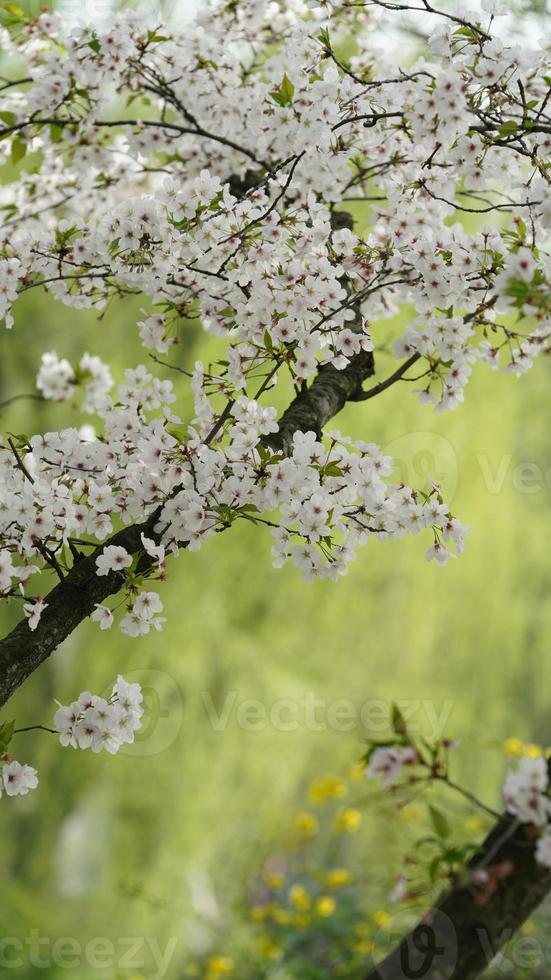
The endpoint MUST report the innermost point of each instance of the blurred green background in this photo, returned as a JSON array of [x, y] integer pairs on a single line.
[[168, 839]]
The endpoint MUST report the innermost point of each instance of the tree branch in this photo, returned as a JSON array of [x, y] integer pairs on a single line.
[[313, 407], [73, 599], [68, 604], [469, 924]]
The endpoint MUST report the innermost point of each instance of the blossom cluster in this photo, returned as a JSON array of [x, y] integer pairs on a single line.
[[525, 792], [92, 722], [218, 194], [387, 763], [17, 779], [321, 502]]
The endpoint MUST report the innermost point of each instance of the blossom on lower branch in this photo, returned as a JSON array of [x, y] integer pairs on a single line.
[[17, 779], [405, 761], [321, 501], [525, 792], [92, 722]]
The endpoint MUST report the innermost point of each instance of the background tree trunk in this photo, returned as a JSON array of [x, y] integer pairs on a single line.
[[460, 936]]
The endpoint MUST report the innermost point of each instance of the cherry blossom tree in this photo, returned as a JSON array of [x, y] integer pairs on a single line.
[[214, 172]]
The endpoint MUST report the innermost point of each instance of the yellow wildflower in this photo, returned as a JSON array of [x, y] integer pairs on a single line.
[[325, 906], [365, 946], [339, 877], [274, 879], [474, 824], [328, 788], [280, 915], [513, 746], [382, 919], [348, 820], [299, 898], [307, 824], [269, 949], [218, 965]]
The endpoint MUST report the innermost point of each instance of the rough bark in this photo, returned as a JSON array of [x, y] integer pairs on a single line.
[[69, 603], [460, 936], [313, 407]]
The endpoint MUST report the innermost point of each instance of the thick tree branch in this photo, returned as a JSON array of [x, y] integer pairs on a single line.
[[74, 599], [313, 407], [467, 927], [70, 602]]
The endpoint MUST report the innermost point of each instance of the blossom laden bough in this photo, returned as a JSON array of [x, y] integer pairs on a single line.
[[222, 194], [224, 203]]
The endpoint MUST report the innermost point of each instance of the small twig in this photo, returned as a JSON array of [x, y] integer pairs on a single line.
[[173, 367], [362, 396], [17, 398], [36, 728], [19, 462], [468, 796], [47, 555]]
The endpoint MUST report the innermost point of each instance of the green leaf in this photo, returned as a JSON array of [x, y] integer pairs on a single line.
[[178, 432], [152, 36], [332, 470], [56, 132], [6, 733], [18, 149], [439, 823], [287, 89], [95, 44], [284, 94], [8, 118], [323, 36], [466, 32], [398, 722], [20, 439], [434, 867], [508, 128], [14, 10]]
